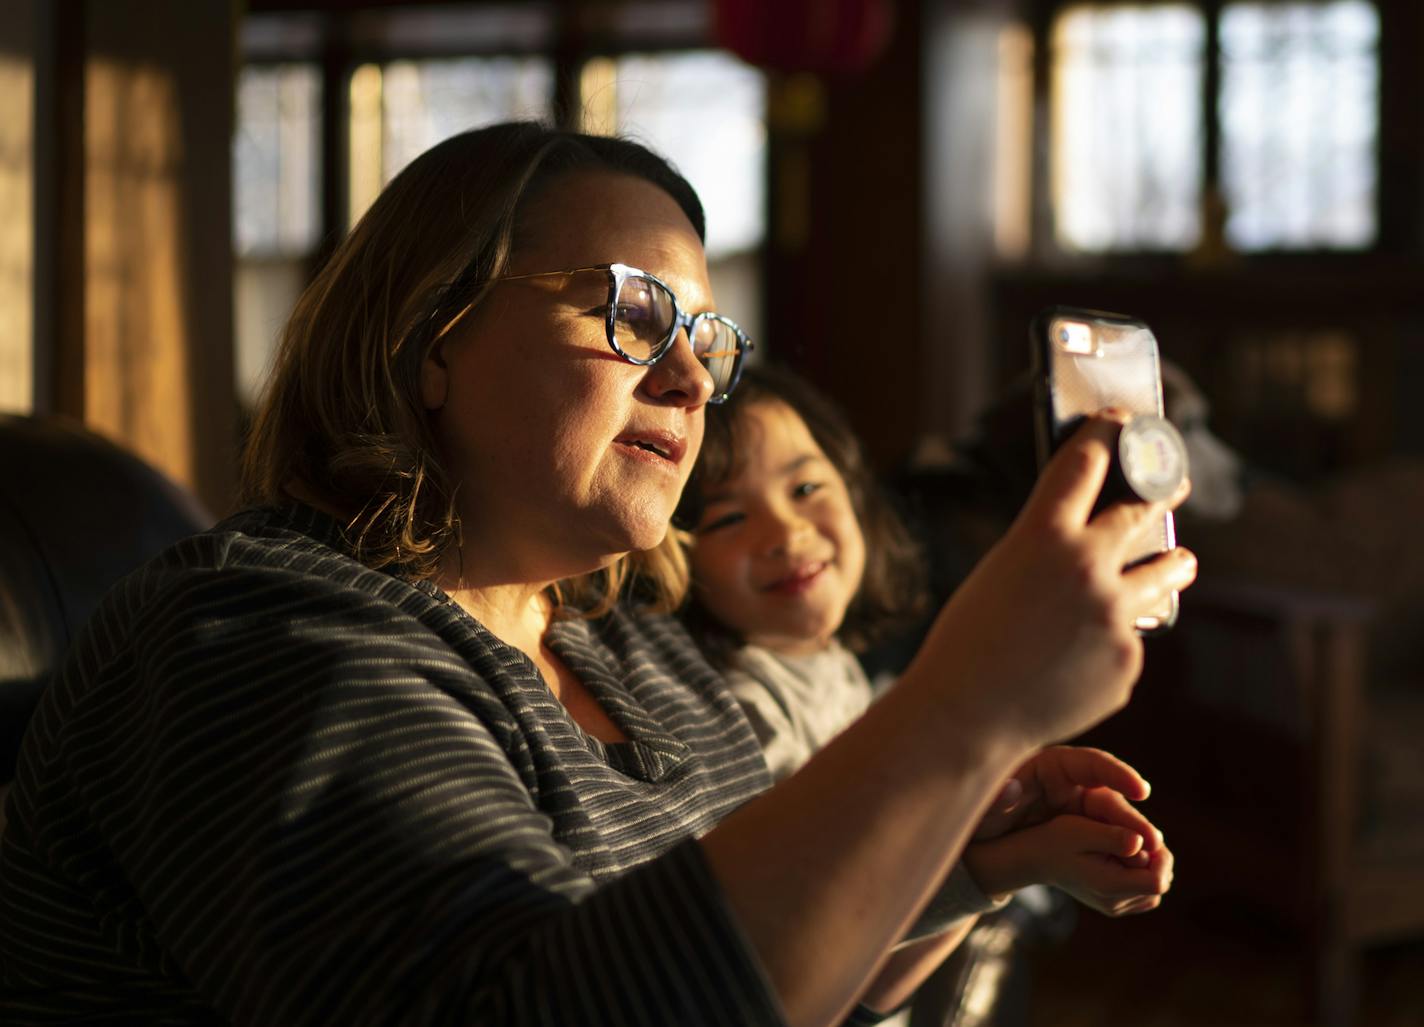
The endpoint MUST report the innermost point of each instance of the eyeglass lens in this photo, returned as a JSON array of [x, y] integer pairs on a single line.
[[643, 320]]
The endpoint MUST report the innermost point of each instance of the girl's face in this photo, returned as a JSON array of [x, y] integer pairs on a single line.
[[779, 553], [567, 456]]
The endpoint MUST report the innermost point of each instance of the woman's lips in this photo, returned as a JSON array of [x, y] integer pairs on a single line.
[[655, 446], [798, 581]]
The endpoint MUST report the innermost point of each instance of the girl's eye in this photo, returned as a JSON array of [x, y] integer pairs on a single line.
[[805, 488], [718, 523]]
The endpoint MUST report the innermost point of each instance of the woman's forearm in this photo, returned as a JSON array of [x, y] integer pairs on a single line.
[[908, 965], [828, 870]]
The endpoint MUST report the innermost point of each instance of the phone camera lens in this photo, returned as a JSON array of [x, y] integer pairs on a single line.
[[1064, 335]]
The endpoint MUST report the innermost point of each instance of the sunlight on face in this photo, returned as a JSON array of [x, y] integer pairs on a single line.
[[779, 554], [566, 455]]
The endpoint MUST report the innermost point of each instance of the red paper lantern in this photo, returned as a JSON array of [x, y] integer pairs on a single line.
[[825, 36]]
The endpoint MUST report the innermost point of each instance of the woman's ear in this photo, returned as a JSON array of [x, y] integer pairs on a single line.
[[434, 378]]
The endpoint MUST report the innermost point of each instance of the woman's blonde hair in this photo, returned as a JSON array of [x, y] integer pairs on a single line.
[[342, 414]]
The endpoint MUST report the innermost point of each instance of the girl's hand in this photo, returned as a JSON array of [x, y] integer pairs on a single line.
[[1039, 643], [1104, 866]]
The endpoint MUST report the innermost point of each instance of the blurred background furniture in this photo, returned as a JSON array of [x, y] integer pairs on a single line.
[[1306, 776], [77, 513]]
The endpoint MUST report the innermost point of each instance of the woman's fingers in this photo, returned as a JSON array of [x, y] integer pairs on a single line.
[[1085, 835], [1128, 522], [1147, 585], [1069, 486]]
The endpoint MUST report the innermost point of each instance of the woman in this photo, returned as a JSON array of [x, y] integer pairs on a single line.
[[351, 757]]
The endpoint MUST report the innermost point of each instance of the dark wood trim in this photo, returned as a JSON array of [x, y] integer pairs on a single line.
[[336, 64], [65, 278]]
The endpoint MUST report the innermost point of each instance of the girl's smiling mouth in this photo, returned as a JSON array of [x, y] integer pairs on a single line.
[[800, 580]]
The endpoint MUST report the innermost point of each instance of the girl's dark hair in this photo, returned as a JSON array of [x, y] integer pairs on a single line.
[[893, 591], [342, 412]]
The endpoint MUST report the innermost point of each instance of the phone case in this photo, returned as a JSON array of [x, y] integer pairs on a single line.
[[1084, 361]]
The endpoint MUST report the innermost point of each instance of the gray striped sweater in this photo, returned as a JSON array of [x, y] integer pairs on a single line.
[[273, 786]]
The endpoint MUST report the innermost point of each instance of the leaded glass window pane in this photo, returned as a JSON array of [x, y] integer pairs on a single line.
[[1126, 130], [277, 160], [401, 109], [706, 112], [1299, 110], [425, 102]]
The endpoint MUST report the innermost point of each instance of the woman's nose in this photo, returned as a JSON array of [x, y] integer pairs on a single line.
[[679, 377]]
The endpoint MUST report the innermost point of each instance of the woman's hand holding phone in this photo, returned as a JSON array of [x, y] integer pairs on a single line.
[[1043, 632]]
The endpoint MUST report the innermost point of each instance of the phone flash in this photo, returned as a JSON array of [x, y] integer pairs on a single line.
[[1076, 337]]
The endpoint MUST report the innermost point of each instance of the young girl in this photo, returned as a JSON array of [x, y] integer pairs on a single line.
[[797, 559]]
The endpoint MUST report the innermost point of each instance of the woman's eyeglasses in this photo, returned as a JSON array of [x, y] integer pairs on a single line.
[[643, 319]]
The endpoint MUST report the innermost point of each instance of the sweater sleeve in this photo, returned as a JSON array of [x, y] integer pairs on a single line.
[[784, 747], [322, 828], [957, 899]]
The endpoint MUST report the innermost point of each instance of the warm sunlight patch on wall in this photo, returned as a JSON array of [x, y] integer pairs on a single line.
[[364, 182], [17, 230], [137, 383], [598, 96], [1013, 143]]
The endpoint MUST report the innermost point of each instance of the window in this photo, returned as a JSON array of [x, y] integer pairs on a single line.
[[1126, 157], [1299, 121], [417, 77], [401, 109], [1294, 120], [276, 158]]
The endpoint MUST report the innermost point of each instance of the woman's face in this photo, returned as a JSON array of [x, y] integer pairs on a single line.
[[566, 456], [779, 553]]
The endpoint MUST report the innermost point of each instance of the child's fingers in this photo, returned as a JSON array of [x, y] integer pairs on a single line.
[[1108, 878], [1085, 835], [1113, 890], [1164, 864], [1110, 807]]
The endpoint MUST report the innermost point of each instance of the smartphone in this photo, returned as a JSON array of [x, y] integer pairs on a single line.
[[1083, 362]]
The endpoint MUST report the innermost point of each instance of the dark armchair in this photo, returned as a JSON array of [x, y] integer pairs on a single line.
[[76, 514]]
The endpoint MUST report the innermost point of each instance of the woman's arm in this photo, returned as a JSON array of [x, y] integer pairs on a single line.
[[908, 965], [830, 868]]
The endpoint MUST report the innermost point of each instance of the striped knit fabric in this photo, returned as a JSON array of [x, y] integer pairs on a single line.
[[273, 786]]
